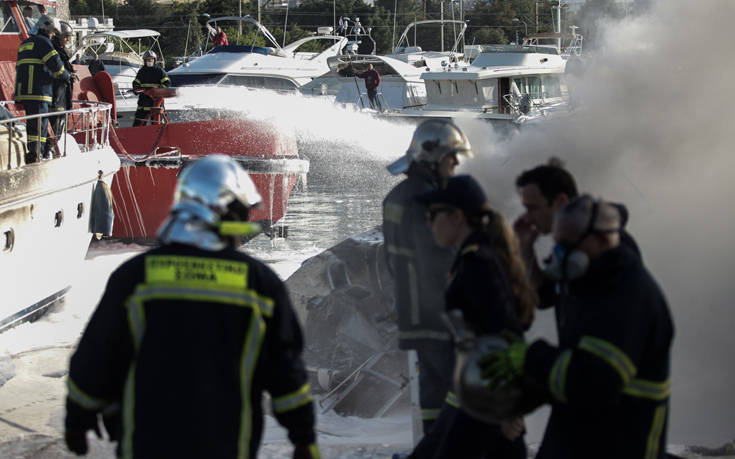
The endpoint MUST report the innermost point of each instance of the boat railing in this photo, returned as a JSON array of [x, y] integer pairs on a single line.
[[363, 101], [88, 123], [522, 103]]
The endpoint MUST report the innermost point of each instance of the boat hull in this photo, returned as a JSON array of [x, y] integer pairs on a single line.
[[144, 191], [44, 228]]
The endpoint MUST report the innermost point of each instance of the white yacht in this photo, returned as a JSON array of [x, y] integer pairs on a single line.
[[47, 208], [401, 84], [269, 67], [512, 83]]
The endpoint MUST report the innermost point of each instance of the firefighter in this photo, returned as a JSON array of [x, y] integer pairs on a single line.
[[418, 265], [62, 93], [38, 66], [188, 335], [149, 76], [608, 379], [489, 286]]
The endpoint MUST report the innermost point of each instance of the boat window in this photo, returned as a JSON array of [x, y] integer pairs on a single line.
[[250, 81], [194, 79], [521, 85], [534, 87], [280, 84], [239, 49], [8, 21], [552, 87], [347, 68]]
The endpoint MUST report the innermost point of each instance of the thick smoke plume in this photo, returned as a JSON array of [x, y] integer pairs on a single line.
[[655, 132]]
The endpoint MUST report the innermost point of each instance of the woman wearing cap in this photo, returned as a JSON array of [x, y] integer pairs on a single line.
[[488, 284]]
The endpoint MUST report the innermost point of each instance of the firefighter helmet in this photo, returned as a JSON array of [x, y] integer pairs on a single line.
[[432, 140], [150, 54], [65, 29], [213, 199], [47, 24]]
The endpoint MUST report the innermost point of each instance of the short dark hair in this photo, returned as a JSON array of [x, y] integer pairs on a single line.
[[551, 179]]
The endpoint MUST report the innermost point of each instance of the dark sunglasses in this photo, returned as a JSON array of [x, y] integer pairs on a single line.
[[432, 213]]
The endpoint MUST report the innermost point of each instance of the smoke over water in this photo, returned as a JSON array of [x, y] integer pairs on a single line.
[[654, 132]]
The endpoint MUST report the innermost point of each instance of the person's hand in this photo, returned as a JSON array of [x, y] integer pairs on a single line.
[[78, 422], [304, 451], [526, 231], [512, 428], [504, 366]]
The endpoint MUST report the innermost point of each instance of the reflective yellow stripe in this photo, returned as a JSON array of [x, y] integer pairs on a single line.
[[83, 399], [165, 80], [654, 435], [31, 71], [239, 228], [558, 375], [140, 107], [611, 354], [451, 399], [57, 74], [35, 138], [648, 389], [28, 60], [397, 250], [31, 97], [429, 414], [136, 320], [136, 80], [470, 248], [48, 56], [25, 47], [393, 212], [314, 450], [208, 272], [149, 85], [249, 360], [129, 413], [291, 401], [222, 294]]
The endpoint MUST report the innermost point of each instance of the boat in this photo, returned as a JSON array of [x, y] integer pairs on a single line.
[[504, 84], [262, 67], [151, 156], [47, 209], [401, 84]]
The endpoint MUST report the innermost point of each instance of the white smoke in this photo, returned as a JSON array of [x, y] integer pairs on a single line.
[[655, 133]]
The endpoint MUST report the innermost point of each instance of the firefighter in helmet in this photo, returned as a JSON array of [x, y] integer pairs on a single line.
[[149, 76], [188, 335], [38, 66]]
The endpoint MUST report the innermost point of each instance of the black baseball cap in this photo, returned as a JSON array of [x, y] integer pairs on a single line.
[[462, 192]]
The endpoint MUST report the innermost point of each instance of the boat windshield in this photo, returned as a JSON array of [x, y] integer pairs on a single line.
[[347, 68], [195, 79], [239, 49]]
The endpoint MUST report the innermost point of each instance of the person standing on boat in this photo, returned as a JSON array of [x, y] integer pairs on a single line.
[[220, 38], [372, 81], [188, 335], [420, 267], [37, 67], [149, 76], [96, 65], [62, 96]]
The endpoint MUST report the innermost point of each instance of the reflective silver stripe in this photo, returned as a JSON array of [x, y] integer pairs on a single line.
[[425, 334], [648, 389], [240, 297], [558, 375], [393, 213], [413, 293], [291, 401], [452, 400], [611, 354], [249, 359], [136, 320], [128, 413], [654, 435], [429, 414], [397, 250], [83, 399]]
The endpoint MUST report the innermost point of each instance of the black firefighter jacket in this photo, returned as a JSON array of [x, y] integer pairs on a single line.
[[609, 378], [62, 90], [419, 267], [37, 67], [186, 341], [150, 77]]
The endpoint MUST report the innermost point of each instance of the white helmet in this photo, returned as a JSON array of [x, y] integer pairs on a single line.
[[150, 54], [432, 140], [212, 201], [47, 24]]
